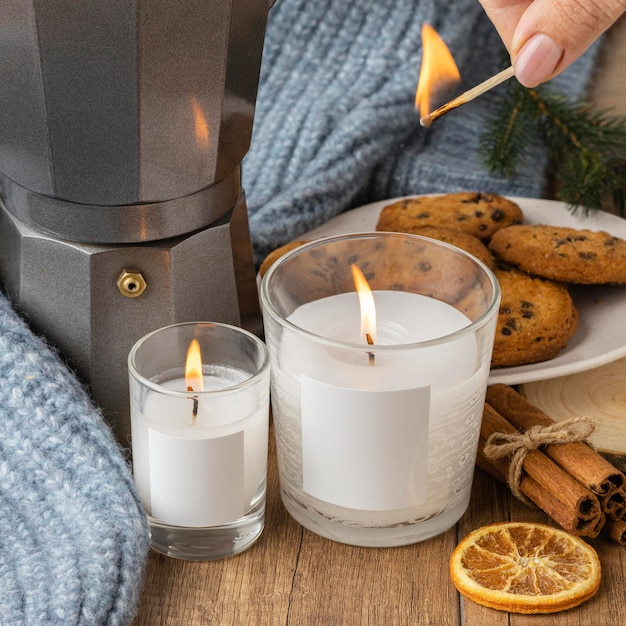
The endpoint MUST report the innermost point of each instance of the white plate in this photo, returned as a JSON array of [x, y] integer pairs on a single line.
[[601, 334]]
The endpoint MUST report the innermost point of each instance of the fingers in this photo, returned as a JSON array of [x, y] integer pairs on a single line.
[[552, 34], [505, 14], [546, 36], [539, 59]]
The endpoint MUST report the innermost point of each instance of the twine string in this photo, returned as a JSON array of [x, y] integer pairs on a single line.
[[515, 446]]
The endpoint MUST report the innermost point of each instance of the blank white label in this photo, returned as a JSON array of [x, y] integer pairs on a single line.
[[196, 482], [365, 450]]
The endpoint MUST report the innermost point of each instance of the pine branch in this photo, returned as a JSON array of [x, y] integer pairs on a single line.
[[504, 143], [587, 147]]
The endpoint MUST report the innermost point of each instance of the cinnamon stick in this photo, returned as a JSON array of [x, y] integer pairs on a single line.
[[543, 482], [563, 515], [577, 459], [600, 524], [616, 530], [614, 504]]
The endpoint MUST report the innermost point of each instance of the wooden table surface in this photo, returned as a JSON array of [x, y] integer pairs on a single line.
[[294, 577]]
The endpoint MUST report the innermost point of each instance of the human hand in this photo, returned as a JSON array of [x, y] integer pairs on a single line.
[[544, 37]]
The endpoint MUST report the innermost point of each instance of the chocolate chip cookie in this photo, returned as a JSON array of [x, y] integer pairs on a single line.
[[565, 254], [457, 238], [274, 255], [478, 214], [397, 263], [536, 320]]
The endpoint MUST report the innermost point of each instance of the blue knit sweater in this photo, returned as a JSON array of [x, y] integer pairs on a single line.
[[335, 125]]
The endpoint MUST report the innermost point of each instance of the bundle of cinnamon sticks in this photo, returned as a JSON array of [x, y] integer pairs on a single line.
[[577, 487]]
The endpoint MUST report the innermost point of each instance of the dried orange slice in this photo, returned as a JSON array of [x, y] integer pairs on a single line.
[[525, 568]]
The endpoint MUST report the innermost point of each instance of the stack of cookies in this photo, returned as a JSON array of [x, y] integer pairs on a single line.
[[533, 263]]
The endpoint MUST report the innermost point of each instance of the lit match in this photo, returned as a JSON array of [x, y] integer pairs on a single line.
[[468, 96]]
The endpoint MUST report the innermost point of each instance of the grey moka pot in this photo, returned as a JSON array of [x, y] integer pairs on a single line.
[[123, 125]]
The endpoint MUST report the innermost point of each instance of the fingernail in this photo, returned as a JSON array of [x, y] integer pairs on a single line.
[[537, 60]]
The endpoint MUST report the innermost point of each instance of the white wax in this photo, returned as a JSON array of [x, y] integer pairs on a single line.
[[383, 412], [204, 473], [402, 318]]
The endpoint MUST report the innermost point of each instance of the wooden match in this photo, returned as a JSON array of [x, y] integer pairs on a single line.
[[468, 96]]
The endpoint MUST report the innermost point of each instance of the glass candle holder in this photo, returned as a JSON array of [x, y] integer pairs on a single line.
[[200, 437], [377, 431]]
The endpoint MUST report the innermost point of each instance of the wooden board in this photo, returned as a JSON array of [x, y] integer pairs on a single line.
[[599, 393]]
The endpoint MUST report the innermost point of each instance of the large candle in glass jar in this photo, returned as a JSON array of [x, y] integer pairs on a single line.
[[377, 439]]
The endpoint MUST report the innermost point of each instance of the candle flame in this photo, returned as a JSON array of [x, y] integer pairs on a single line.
[[193, 367], [201, 126], [438, 71], [366, 302]]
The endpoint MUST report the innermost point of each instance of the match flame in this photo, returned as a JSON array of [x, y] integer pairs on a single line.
[[193, 368], [438, 70], [201, 126], [366, 302]]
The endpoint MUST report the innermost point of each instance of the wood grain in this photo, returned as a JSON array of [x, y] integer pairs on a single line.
[[599, 393], [293, 577]]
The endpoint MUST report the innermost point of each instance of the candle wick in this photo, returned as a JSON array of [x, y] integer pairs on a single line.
[[194, 410], [371, 355]]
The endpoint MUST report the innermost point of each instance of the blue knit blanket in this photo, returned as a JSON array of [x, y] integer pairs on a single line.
[[335, 125], [73, 534]]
